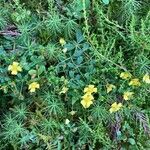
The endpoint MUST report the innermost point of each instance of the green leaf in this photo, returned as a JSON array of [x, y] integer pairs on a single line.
[[32, 72], [79, 5], [69, 46], [71, 65], [78, 53], [41, 69], [131, 141], [71, 74], [79, 36], [105, 2], [79, 60]]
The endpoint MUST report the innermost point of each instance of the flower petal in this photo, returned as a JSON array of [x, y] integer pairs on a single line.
[[9, 67], [14, 72]]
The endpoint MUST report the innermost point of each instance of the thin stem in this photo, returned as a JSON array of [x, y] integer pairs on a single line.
[[85, 19]]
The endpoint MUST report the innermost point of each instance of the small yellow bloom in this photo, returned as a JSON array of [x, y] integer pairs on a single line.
[[33, 86], [88, 96], [127, 95], [110, 87], [87, 100], [62, 41], [146, 78], [90, 89], [115, 107], [64, 90], [86, 103], [125, 75], [135, 82], [14, 68]]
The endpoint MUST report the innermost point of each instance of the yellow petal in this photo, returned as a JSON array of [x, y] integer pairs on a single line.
[[146, 78], [15, 63], [119, 105], [111, 110], [95, 90], [14, 68], [128, 95], [89, 103], [83, 102], [88, 96], [85, 90], [110, 87], [37, 86], [32, 90], [115, 107], [19, 68], [125, 75], [9, 67], [32, 87], [14, 72], [90, 89], [135, 82], [125, 97], [91, 86], [114, 104], [29, 87], [86, 104]]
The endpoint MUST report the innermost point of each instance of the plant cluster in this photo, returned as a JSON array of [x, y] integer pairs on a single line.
[[74, 74]]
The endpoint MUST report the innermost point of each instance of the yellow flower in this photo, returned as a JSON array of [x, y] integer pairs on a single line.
[[115, 107], [135, 82], [90, 89], [125, 75], [146, 78], [14, 68], [33, 86], [64, 90], [87, 100], [110, 87], [127, 95], [62, 41], [86, 103], [88, 96]]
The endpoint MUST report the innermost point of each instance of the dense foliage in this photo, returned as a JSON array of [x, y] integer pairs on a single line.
[[74, 74]]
